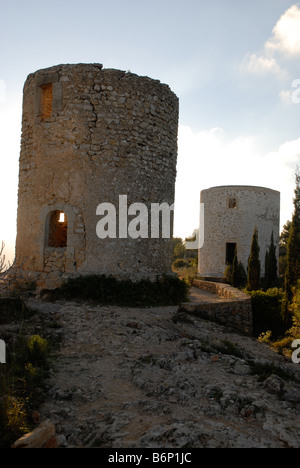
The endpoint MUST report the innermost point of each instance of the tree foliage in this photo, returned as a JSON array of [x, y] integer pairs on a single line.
[[239, 276], [271, 266], [294, 332], [253, 279], [284, 236], [292, 272]]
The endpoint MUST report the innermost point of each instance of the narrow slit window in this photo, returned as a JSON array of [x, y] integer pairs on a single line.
[[58, 229], [47, 99], [232, 203]]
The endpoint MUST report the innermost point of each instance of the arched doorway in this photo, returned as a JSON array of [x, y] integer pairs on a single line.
[[57, 229]]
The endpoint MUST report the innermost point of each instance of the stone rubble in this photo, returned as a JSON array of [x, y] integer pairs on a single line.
[[157, 378]]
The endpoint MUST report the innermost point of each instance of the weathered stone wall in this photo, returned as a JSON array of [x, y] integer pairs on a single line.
[[230, 215], [90, 135], [235, 312]]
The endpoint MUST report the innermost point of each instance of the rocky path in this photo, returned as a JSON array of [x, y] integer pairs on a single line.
[[132, 378], [203, 296]]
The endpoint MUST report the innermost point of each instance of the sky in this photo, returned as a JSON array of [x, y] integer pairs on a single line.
[[233, 64]]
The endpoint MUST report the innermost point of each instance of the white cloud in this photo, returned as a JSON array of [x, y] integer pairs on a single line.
[[209, 158], [263, 65], [286, 97], [286, 33], [284, 42]]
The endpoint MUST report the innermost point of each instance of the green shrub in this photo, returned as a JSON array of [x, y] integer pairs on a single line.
[[37, 353], [101, 289], [13, 309], [266, 308], [284, 345], [22, 376], [20, 381], [295, 311], [180, 263], [228, 278], [13, 420], [236, 277]]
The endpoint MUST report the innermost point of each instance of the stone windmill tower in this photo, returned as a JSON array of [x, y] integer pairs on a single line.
[[89, 136], [231, 214]]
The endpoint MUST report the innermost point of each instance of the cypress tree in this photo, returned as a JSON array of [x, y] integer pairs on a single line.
[[235, 269], [254, 264], [271, 267], [239, 277], [292, 273]]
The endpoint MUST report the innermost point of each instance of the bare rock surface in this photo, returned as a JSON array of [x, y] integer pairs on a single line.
[[156, 378]]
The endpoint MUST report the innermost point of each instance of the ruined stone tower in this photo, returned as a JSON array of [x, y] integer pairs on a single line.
[[231, 214], [89, 136]]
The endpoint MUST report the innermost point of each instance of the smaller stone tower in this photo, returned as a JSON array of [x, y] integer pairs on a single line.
[[231, 214]]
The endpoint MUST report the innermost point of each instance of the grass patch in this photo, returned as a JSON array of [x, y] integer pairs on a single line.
[[187, 273], [21, 386], [227, 347], [23, 376], [13, 309], [265, 370]]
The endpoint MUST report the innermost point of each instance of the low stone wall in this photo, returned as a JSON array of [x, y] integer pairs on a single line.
[[222, 290], [235, 312]]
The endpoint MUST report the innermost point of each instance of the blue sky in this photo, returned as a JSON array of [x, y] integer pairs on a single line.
[[232, 63]]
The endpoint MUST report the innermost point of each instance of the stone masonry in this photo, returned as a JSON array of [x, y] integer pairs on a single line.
[[230, 215], [89, 136]]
